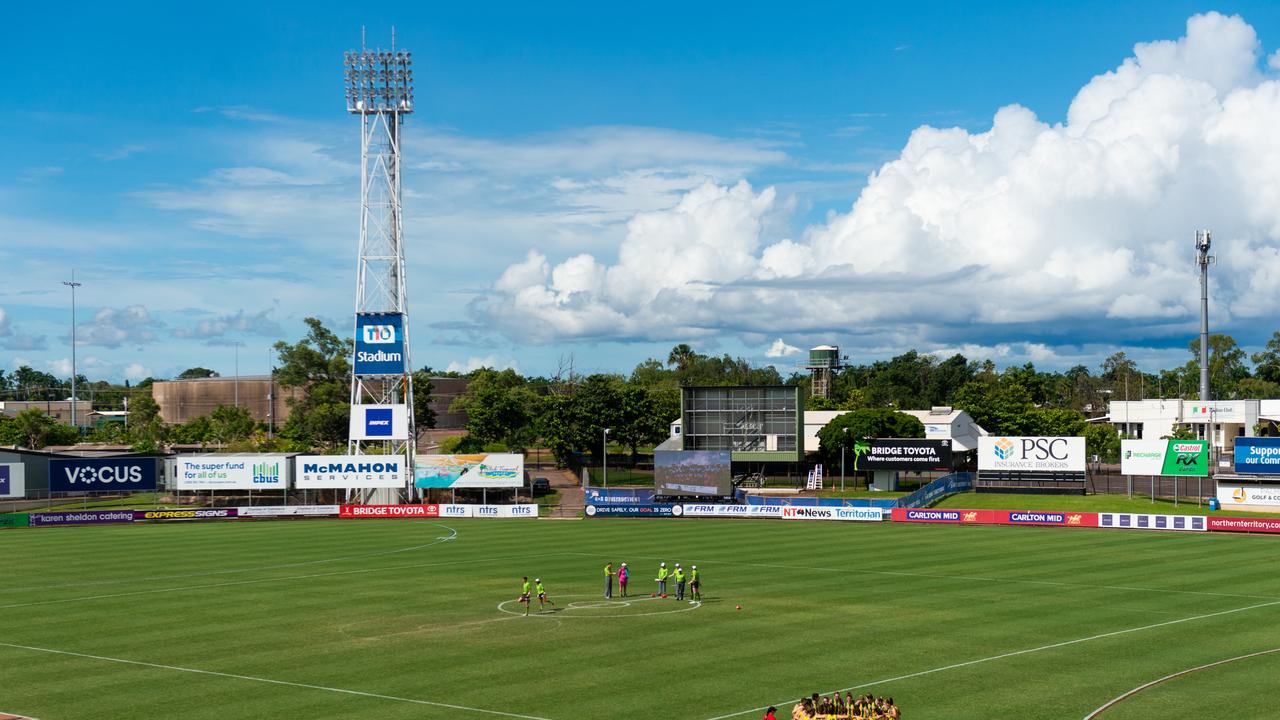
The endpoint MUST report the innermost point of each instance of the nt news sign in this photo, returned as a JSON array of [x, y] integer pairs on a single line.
[[1031, 454], [379, 344]]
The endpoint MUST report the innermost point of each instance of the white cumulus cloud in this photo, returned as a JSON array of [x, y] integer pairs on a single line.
[[472, 364], [1063, 227], [780, 349]]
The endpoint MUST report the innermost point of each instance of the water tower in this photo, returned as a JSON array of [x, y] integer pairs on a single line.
[[824, 361]]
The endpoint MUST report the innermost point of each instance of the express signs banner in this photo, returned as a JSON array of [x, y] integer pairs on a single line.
[[379, 422], [1258, 455], [102, 474], [188, 514], [379, 344], [902, 454], [318, 472], [1189, 458], [13, 480], [1031, 454], [232, 472]]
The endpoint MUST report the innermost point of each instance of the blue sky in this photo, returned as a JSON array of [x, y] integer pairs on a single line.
[[601, 183]]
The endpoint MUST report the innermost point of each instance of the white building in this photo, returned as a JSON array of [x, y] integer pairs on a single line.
[[1229, 419], [940, 423]]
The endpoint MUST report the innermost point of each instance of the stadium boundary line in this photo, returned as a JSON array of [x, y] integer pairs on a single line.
[[1015, 653], [974, 578], [1173, 676], [212, 573], [256, 581], [271, 681]]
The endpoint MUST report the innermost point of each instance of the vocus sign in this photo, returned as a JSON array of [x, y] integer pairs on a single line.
[[102, 474]]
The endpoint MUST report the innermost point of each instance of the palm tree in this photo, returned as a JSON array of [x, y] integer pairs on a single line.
[[680, 356]]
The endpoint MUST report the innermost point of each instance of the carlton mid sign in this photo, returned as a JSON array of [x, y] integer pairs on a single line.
[[102, 474], [1031, 454], [319, 472]]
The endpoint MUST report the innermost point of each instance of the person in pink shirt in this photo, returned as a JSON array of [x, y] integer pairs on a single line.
[[623, 576]]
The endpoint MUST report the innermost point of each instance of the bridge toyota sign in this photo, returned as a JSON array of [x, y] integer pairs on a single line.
[[1031, 454], [102, 474]]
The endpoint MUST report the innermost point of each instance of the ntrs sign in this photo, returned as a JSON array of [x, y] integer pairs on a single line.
[[380, 347]]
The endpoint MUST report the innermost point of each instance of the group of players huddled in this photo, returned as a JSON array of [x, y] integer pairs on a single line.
[[681, 579], [865, 707]]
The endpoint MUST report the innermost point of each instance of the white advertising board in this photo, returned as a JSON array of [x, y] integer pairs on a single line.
[[1031, 454], [232, 472], [288, 511], [523, 510], [480, 470], [1246, 496], [321, 472], [862, 514], [379, 422], [1137, 521], [13, 480], [717, 510]]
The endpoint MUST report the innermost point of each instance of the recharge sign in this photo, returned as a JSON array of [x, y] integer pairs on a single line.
[[102, 474], [1258, 455], [1187, 458], [379, 344]]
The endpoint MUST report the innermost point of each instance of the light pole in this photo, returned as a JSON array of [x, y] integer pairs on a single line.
[[604, 457], [73, 285], [843, 445], [237, 345]]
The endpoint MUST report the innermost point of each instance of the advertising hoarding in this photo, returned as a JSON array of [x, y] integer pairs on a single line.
[[1243, 495], [102, 474], [12, 520], [619, 496], [379, 422], [320, 472], [861, 514], [748, 511], [80, 517], [288, 511], [693, 472], [232, 472], [187, 514], [1231, 524], [1187, 458], [1258, 455], [1138, 521], [996, 517], [631, 510], [379, 344], [481, 470], [1031, 454], [902, 454], [13, 480]]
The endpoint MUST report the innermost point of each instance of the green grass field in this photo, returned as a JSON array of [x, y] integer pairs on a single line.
[[410, 619]]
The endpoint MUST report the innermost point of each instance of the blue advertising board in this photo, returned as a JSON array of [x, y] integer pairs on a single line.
[[379, 344], [1258, 455], [630, 510], [619, 496], [120, 474]]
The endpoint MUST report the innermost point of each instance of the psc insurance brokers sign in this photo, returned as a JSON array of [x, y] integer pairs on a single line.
[[1031, 454], [1258, 455], [379, 344], [102, 474]]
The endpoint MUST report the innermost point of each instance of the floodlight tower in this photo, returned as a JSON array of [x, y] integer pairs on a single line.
[[1204, 260], [379, 88]]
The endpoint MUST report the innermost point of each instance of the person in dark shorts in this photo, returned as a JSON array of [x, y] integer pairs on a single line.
[[678, 574], [695, 583], [542, 595], [524, 593], [608, 580]]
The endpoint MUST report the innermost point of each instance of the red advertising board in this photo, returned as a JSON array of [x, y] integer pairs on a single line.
[[389, 511], [995, 517], [1234, 524]]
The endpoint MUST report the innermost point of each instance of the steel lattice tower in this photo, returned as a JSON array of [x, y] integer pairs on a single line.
[[379, 88]]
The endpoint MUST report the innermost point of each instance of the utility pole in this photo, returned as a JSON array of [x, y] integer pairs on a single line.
[[1204, 260], [73, 285]]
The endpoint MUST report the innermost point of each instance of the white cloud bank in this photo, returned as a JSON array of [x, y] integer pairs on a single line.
[[1090, 221]]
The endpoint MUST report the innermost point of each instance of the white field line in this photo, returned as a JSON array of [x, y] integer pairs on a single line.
[[973, 578], [1028, 651], [257, 581], [269, 681], [1173, 676], [453, 535]]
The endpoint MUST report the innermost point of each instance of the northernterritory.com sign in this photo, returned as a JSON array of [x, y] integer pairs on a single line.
[[1187, 458], [1031, 454]]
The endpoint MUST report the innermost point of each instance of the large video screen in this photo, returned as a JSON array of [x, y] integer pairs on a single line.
[[692, 472]]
